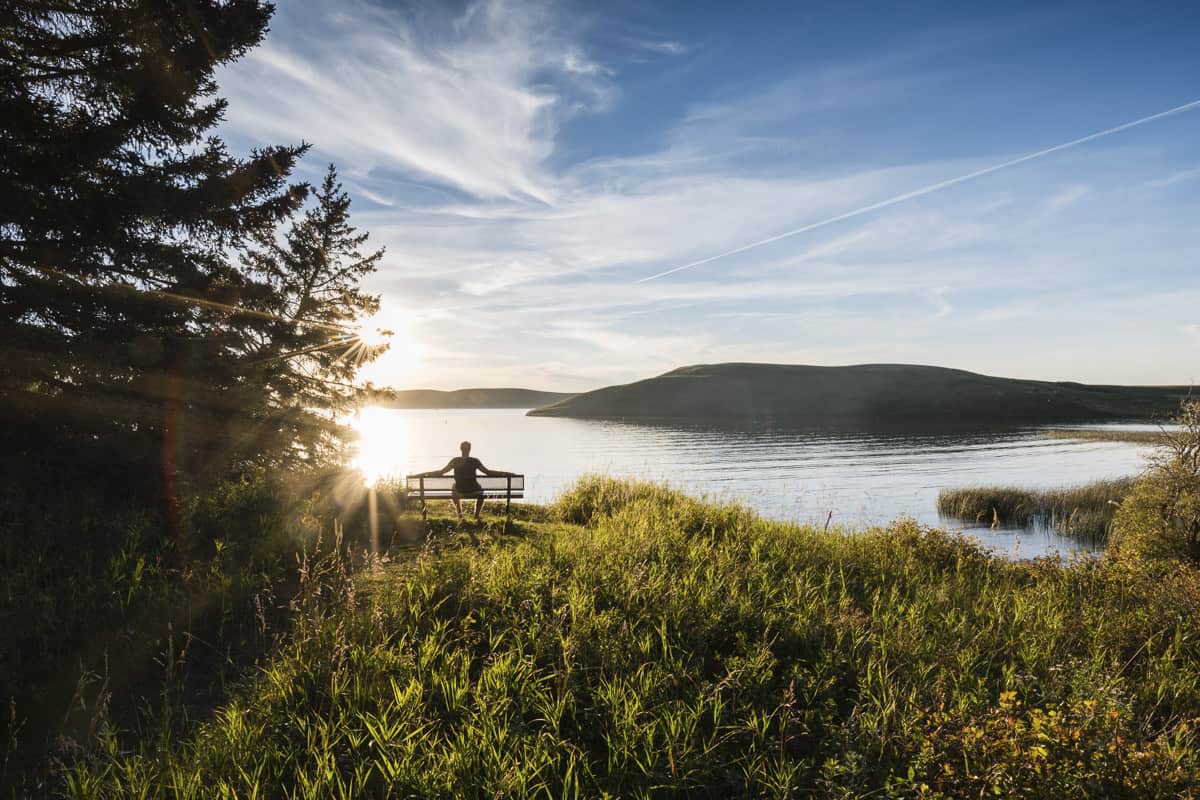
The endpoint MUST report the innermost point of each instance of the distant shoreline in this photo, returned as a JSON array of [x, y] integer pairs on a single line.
[[486, 398], [867, 394]]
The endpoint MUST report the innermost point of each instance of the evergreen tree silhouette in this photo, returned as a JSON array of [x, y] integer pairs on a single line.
[[309, 284], [123, 310]]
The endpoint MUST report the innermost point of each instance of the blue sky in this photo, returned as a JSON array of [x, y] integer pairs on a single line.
[[528, 164]]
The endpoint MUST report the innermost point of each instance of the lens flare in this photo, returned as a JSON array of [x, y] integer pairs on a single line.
[[400, 363], [380, 455], [372, 335]]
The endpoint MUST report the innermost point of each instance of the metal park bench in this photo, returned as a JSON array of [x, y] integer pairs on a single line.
[[442, 488]]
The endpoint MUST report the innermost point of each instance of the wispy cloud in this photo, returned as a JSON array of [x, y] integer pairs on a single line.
[[931, 188], [668, 46], [473, 102], [938, 298], [1175, 177], [451, 131], [1007, 312], [1065, 198]]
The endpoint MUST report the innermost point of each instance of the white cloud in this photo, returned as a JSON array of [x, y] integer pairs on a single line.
[[474, 104], [448, 128]]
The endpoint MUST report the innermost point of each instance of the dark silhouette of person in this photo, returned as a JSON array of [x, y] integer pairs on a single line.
[[465, 482]]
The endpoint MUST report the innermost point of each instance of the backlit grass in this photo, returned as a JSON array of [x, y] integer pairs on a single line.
[[632, 642]]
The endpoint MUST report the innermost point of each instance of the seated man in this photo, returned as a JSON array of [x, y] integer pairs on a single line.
[[465, 484]]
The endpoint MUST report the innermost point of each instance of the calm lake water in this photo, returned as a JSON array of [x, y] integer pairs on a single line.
[[795, 475]]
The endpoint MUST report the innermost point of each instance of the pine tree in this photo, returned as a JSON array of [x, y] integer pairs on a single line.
[[308, 283], [121, 312]]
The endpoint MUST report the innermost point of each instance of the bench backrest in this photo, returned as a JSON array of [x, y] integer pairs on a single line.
[[444, 485]]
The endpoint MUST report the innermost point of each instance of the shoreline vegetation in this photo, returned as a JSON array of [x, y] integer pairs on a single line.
[[631, 641], [1092, 435], [1084, 511], [864, 395]]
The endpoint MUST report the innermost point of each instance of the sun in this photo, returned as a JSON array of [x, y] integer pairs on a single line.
[[379, 452], [371, 334], [401, 362]]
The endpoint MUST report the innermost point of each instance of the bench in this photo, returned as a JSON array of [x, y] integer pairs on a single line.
[[442, 488]]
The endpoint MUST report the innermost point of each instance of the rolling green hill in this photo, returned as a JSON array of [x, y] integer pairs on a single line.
[[867, 393], [472, 398]]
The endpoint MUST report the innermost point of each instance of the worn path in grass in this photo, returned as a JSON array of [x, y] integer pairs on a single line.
[[632, 642]]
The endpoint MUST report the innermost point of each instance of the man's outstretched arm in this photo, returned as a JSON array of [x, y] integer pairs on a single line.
[[449, 466], [495, 473]]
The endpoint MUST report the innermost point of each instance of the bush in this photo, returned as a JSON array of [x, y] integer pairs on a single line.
[[251, 513], [1161, 518]]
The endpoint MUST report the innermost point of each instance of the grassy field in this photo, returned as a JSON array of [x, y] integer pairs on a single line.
[[632, 642], [1084, 511]]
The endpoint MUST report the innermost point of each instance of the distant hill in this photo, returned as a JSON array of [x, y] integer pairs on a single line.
[[867, 393], [471, 398]]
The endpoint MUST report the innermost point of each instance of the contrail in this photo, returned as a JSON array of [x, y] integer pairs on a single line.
[[900, 198]]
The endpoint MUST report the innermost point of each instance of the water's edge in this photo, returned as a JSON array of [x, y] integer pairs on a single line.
[[863, 477]]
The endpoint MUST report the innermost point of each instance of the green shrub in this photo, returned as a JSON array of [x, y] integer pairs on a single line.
[[252, 513], [1161, 518]]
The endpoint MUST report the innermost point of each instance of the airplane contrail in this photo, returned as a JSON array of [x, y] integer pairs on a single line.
[[900, 198]]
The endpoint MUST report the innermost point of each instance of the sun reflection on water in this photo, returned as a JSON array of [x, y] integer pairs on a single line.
[[381, 455]]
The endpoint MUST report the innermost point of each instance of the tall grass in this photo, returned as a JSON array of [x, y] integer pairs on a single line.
[[637, 643], [1084, 511], [112, 616]]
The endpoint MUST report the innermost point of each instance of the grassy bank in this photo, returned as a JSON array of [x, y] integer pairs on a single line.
[[631, 642], [1084, 511]]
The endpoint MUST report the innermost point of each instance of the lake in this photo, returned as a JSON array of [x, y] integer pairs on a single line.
[[863, 478]]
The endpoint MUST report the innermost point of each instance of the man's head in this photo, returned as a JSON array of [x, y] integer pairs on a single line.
[[465, 447]]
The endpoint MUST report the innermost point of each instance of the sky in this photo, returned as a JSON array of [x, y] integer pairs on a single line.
[[533, 169]]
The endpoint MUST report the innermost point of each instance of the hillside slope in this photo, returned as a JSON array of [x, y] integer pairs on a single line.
[[863, 393], [473, 398], [633, 642]]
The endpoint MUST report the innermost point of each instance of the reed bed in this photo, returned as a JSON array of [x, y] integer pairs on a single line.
[[1094, 435], [632, 642], [1082, 511]]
